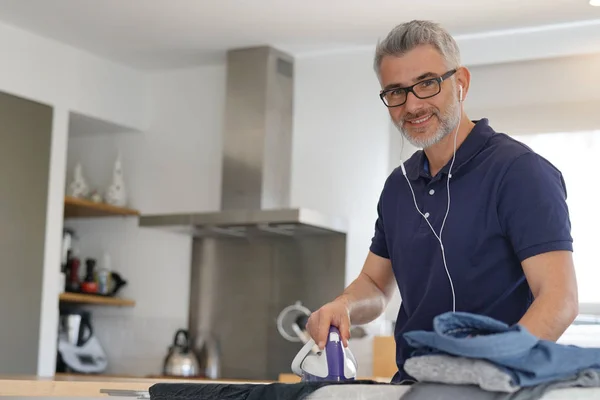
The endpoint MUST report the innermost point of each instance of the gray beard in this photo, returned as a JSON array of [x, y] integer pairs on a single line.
[[448, 123]]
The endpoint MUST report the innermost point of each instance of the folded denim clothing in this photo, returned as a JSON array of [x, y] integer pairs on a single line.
[[529, 360], [585, 378], [460, 371]]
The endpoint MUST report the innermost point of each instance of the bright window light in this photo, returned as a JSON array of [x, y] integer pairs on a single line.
[[572, 153], [595, 3]]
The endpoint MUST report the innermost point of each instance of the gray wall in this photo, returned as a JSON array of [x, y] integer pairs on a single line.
[[25, 134]]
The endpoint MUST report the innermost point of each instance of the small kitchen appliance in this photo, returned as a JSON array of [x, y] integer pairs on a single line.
[[79, 350], [291, 323], [180, 359], [334, 363]]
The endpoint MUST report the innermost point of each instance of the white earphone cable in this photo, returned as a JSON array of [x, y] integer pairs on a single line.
[[439, 237]]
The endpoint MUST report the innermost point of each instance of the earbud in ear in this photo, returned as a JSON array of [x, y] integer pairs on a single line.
[[460, 95]]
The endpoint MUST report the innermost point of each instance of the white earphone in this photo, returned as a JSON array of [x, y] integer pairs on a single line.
[[439, 237]]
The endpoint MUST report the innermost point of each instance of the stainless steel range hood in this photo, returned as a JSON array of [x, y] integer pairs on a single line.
[[257, 157], [243, 223], [257, 255]]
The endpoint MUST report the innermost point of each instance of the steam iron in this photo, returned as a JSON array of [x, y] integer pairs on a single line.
[[334, 363]]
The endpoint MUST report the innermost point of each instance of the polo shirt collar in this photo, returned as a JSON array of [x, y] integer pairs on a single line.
[[471, 146]]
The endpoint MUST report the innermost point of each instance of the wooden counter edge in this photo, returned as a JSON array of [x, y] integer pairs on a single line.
[[41, 388], [85, 387]]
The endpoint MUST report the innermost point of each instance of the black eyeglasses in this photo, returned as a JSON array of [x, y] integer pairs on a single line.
[[425, 89]]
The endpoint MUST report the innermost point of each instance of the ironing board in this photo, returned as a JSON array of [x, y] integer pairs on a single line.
[[396, 392], [370, 392], [383, 392]]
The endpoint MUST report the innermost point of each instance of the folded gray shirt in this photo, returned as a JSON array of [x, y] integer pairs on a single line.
[[460, 370], [444, 377]]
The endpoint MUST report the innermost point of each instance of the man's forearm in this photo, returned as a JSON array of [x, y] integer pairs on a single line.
[[549, 316], [364, 300]]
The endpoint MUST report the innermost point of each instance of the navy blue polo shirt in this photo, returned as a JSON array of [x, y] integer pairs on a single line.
[[507, 203]]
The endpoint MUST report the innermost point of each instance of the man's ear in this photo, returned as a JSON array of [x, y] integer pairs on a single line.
[[463, 79]]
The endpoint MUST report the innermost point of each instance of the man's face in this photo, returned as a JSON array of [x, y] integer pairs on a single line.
[[424, 122]]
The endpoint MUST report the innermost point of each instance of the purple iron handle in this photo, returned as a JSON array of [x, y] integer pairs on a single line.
[[335, 355]]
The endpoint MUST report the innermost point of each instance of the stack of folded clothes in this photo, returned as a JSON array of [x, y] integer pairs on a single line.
[[477, 357]]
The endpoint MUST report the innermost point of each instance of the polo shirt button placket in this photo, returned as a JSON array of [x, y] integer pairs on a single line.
[[431, 193]]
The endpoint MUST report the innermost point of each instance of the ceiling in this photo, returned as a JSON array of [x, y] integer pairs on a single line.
[[155, 34]]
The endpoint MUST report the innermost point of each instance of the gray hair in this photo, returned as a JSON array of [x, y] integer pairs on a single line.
[[409, 35]]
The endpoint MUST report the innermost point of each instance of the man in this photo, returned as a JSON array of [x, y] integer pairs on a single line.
[[505, 249]]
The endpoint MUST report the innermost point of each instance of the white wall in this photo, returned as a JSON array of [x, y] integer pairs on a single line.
[[53, 239], [51, 72], [65, 78], [340, 145], [554, 95], [341, 154], [173, 167]]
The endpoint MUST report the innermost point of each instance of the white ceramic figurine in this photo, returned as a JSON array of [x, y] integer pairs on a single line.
[[116, 193], [78, 186]]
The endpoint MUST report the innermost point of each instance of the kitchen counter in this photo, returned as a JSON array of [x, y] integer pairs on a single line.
[[84, 386]]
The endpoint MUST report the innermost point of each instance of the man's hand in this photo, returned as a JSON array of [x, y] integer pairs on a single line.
[[551, 277], [335, 313]]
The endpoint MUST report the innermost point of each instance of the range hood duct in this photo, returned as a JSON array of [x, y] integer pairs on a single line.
[[256, 157], [257, 137]]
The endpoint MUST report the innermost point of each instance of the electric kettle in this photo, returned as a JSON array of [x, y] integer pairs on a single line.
[[181, 360]]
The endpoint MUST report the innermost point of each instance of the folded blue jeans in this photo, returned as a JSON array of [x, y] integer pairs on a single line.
[[529, 360]]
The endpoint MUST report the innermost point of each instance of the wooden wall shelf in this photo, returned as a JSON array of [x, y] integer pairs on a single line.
[[95, 299], [81, 208]]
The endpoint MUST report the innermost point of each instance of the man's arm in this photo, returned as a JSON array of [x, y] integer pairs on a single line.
[[363, 301], [551, 277], [368, 295]]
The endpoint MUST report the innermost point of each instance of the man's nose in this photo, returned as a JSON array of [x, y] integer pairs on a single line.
[[413, 103]]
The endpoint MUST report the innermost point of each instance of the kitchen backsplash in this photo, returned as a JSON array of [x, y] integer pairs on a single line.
[[135, 345]]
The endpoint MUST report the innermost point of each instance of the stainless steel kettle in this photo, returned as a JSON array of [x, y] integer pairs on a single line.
[[181, 360]]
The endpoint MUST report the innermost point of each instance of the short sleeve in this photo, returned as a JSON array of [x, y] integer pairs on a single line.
[[532, 207], [378, 243]]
